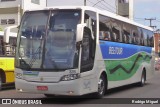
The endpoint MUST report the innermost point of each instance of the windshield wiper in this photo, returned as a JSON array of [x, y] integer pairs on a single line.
[[24, 65], [34, 56]]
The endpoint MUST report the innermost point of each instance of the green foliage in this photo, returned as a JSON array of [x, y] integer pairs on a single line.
[[1, 28]]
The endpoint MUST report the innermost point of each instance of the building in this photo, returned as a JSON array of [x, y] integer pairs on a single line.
[[125, 8], [157, 43], [11, 11]]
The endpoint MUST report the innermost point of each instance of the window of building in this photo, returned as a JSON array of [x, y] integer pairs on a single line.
[[35, 1], [11, 21], [3, 21], [7, 0]]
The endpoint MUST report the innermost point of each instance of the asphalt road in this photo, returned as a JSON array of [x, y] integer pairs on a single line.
[[150, 90]]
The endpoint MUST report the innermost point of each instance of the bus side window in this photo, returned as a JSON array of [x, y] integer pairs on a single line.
[[27, 32], [104, 35], [40, 31], [101, 35], [114, 37], [134, 39], [125, 38], [115, 34], [141, 38], [107, 36]]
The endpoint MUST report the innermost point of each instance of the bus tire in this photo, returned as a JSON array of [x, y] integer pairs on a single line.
[[143, 79], [0, 81], [102, 86]]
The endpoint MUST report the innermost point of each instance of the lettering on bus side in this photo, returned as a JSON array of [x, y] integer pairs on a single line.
[[116, 50]]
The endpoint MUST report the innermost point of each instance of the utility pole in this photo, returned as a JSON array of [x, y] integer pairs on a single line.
[[150, 20], [85, 2], [131, 9]]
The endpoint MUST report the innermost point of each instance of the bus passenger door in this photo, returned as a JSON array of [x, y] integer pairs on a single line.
[[88, 42], [87, 62], [88, 49], [87, 59]]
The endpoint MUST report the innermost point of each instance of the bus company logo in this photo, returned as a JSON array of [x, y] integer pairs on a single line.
[[31, 73], [6, 101]]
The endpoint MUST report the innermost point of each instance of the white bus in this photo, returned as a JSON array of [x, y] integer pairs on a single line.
[[80, 50]]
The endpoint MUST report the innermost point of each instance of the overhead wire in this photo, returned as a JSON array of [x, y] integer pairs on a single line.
[[107, 8], [98, 5], [109, 5], [111, 10], [102, 4]]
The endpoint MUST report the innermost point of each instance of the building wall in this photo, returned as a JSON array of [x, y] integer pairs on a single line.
[[157, 42], [27, 4], [15, 9], [8, 10], [6, 4]]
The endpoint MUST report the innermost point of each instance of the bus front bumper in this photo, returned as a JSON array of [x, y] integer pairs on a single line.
[[71, 88]]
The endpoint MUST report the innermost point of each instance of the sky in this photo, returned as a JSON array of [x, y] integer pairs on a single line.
[[142, 8]]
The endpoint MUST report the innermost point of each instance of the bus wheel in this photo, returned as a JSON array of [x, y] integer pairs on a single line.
[[101, 87], [143, 79]]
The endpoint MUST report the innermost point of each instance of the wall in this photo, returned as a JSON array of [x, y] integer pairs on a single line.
[[156, 40], [9, 4], [9, 10], [15, 9], [27, 4]]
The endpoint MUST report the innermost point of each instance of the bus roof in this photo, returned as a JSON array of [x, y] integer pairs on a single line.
[[102, 12]]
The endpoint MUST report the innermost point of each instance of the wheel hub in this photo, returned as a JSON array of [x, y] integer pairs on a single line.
[[101, 86]]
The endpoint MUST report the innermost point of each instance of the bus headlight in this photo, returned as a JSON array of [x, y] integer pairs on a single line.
[[70, 77], [19, 75]]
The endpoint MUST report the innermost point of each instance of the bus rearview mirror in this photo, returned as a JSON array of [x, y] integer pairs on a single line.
[[7, 33], [80, 30]]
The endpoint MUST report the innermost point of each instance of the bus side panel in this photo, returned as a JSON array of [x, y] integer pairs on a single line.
[[124, 62], [151, 67], [10, 70], [2, 63], [7, 65], [9, 76]]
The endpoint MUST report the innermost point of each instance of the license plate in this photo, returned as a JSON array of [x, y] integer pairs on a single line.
[[42, 88]]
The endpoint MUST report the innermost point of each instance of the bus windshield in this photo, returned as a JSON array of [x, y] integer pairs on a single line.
[[47, 40]]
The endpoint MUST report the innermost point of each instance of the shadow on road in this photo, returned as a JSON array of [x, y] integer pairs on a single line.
[[124, 88], [89, 98]]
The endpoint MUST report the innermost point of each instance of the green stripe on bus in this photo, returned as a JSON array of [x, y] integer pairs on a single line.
[[125, 68]]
